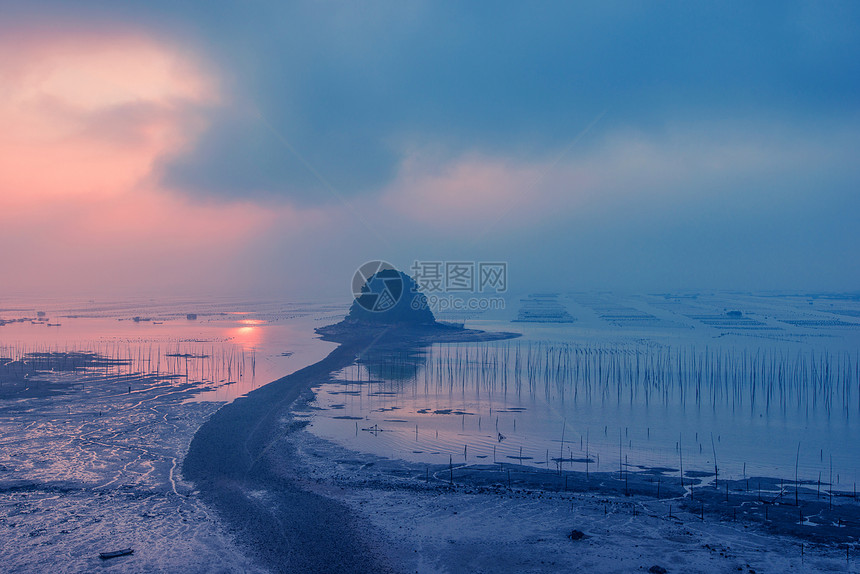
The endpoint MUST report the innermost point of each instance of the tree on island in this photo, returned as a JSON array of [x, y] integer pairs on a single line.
[[390, 297]]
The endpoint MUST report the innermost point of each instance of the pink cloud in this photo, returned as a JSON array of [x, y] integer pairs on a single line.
[[477, 194], [86, 117], [89, 114], [468, 191]]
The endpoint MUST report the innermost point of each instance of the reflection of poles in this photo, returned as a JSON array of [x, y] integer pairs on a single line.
[[561, 448], [586, 455], [796, 483], [714, 448]]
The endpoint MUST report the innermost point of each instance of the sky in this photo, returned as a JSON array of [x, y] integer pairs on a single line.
[[270, 148]]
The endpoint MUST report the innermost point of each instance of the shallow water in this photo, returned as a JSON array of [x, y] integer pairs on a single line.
[[229, 348], [634, 381]]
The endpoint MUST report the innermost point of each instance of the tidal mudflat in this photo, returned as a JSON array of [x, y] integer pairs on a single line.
[[584, 444], [89, 467], [98, 412]]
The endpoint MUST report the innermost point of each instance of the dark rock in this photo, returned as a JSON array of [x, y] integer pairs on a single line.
[[576, 535], [390, 297], [388, 308], [657, 570]]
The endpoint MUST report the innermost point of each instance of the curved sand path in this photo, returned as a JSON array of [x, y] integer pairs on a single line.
[[234, 465]]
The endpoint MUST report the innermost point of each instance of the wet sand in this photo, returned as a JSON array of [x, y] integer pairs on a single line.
[[235, 463], [480, 519], [88, 461]]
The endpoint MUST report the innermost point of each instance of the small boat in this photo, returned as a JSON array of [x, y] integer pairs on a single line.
[[116, 553]]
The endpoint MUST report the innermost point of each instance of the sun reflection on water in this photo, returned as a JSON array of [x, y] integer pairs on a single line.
[[248, 337]]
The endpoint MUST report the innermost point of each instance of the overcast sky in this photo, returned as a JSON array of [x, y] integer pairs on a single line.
[[272, 147]]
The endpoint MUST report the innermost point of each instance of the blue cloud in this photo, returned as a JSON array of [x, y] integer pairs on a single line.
[[334, 95]]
